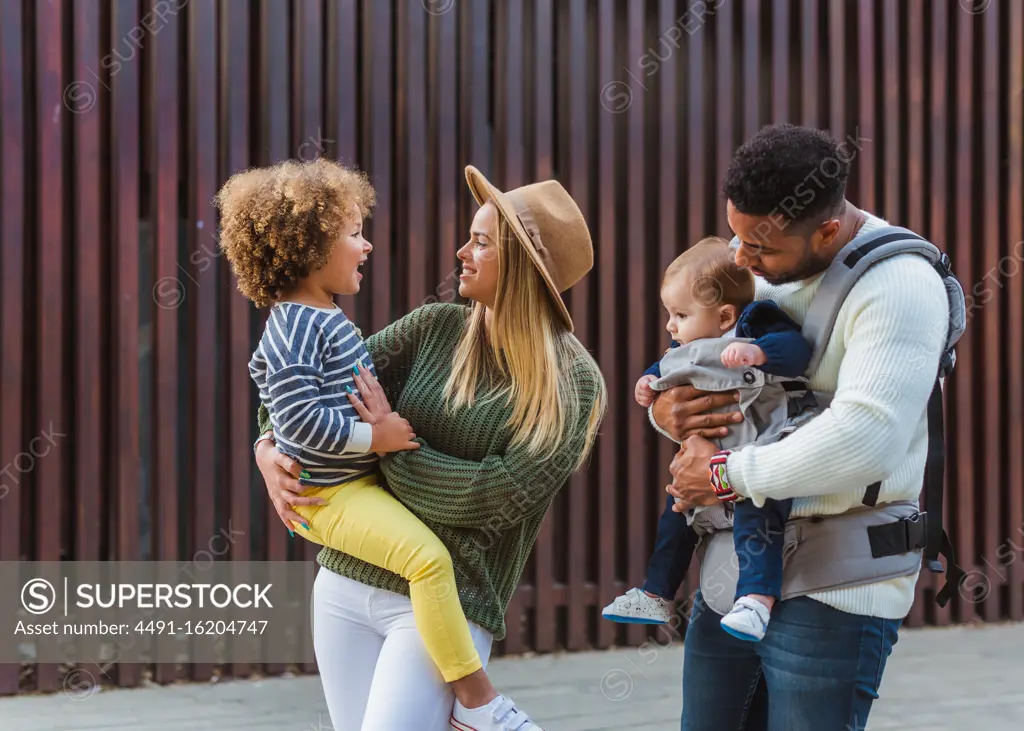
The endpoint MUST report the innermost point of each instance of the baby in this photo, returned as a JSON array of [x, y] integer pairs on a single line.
[[708, 297]]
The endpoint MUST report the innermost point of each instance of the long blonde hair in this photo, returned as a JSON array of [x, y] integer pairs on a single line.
[[526, 359]]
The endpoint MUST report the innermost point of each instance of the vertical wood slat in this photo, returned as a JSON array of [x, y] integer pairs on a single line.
[[378, 48], [307, 86], [780, 51], [123, 140], [939, 193], [964, 391], [169, 294], [445, 165], [12, 288], [837, 69], [235, 79], [698, 186], [88, 260], [917, 186], [751, 85], [275, 103], [608, 348], [343, 103], [203, 183], [668, 236], [697, 143], [991, 364], [509, 123], [411, 113], [578, 136], [509, 68], [475, 88], [893, 39], [725, 126], [810, 58], [52, 411], [91, 257], [1015, 305], [638, 432], [865, 169], [543, 103]]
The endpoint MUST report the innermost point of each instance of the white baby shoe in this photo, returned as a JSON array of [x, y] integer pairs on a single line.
[[636, 606], [747, 620]]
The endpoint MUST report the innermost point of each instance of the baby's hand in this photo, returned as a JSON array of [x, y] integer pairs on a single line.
[[743, 354], [643, 393]]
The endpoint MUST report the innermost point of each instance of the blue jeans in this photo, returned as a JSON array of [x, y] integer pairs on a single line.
[[817, 669], [758, 534]]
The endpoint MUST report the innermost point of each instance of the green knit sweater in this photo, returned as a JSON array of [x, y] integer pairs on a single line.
[[484, 499]]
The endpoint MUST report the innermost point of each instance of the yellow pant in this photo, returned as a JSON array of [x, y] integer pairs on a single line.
[[363, 520]]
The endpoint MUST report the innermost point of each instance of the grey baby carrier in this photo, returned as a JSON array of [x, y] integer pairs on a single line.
[[873, 542], [772, 406]]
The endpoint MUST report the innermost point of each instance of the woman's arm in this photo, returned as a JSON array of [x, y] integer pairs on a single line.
[[281, 476], [394, 348], [499, 491]]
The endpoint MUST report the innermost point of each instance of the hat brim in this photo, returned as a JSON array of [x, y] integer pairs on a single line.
[[483, 191]]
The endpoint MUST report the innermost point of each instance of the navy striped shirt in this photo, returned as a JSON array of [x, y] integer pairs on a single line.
[[303, 363]]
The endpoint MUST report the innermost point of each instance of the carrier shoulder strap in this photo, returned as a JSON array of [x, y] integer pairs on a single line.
[[847, 267], [849, 264]]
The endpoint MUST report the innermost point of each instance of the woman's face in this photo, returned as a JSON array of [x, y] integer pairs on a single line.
[[341, 275], [479, 256]]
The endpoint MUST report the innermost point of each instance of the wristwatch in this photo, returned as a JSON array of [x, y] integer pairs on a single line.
[[720, 477], [264, 437]]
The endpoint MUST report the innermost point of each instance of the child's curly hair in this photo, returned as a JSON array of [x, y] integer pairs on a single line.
[[279, 223]]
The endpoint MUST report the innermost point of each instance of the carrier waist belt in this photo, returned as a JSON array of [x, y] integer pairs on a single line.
[[862, 546]]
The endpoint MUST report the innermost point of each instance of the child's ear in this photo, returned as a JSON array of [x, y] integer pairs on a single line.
[[727, 316]]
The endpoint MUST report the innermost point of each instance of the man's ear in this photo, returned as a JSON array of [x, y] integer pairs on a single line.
[[727, 316], [825, 235]]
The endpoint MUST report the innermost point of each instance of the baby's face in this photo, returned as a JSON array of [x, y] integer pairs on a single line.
[[695, 310]]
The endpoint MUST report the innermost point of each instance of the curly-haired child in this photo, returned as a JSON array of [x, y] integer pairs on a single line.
[[293, 235]]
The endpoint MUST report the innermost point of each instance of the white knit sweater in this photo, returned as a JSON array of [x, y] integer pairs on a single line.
[[880, 363]]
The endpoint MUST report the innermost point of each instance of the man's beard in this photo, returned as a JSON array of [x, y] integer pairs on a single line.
[[810, 266]]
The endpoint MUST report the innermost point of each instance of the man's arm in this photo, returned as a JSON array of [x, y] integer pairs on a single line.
[[893, 346]]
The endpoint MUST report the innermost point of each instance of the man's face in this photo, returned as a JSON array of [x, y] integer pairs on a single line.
[[774, 251]]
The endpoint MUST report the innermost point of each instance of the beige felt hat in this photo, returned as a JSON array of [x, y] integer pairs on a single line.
[[565, 253]]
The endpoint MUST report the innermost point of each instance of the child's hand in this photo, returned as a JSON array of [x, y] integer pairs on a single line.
[[743, 354], [643, 393], [392, 433]]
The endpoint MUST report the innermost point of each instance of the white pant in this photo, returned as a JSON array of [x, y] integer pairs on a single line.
[[375, 672]]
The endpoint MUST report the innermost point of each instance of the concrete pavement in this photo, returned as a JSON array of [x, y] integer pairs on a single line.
[[959, 679]]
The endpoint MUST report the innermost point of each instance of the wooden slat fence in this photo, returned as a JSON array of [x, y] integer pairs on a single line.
[[127, 414]]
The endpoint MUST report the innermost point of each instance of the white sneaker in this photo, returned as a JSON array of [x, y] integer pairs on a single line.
[[636, 606], [500, 714], [747, 620]]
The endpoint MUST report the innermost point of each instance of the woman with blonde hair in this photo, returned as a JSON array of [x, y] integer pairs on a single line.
[[505, 403]]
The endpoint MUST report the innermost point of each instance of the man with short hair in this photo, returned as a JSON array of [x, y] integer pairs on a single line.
[[823, 655]]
